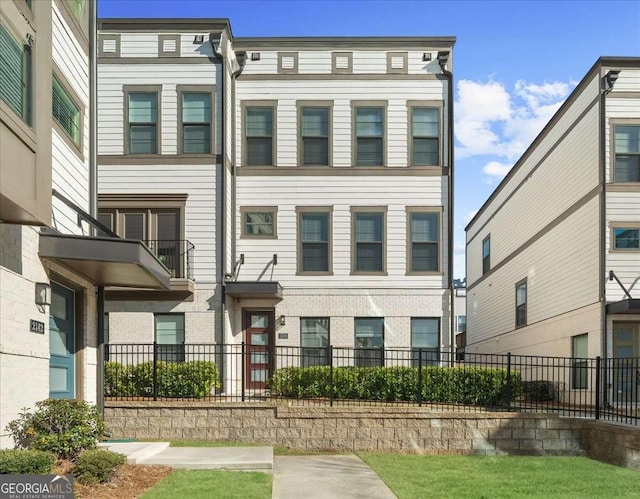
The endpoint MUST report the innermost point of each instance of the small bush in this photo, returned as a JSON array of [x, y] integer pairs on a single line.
[[97, 466], [62, 426], [192, 379], [449, 385], [543, 391], [26, 462]]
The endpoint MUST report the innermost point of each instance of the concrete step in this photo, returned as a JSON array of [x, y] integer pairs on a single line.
[[135, 451], [212, 458]]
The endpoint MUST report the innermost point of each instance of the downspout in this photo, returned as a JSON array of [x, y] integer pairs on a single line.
[[603, 209], [93, 189], [241, 61], [443, 57]]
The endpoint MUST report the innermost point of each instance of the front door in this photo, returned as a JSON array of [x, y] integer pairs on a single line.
[[259, 329], [626, 366], [61, 343]]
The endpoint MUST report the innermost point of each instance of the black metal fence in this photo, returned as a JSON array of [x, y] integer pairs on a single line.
[[599, 388], [176, 255]]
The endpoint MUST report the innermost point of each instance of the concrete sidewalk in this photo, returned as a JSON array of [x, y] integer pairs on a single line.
[[326, 477], [195, 458]]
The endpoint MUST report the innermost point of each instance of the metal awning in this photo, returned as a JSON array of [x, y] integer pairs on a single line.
[[106, 261], [254, 289], [631, 306]]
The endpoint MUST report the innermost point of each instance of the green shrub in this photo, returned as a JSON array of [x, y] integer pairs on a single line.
[[450, 385], [62, 426], [97, 466], [192, 379], [543, 391], [26, 462]]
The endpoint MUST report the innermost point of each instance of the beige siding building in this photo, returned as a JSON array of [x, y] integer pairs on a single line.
[[52, 271], [553, 258]]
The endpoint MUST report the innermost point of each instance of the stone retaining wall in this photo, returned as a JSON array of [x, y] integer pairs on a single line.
[[398, 429]]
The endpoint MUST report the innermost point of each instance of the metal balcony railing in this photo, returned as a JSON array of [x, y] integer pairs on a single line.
[[176, 255]]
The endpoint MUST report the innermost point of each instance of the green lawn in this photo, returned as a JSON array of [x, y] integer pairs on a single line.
[[197, 484], [411, 476]]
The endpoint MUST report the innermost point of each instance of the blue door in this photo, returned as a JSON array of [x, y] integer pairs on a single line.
[[61, 343]]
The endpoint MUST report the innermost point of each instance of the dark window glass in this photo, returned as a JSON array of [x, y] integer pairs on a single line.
[[369, 342], [369, 242], [314, 333], [259, 136], [369, 136], [425, 228], [314, 242]]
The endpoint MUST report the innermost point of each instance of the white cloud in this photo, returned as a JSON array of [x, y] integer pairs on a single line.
[[495, 121], [469, 216], [496, 169]]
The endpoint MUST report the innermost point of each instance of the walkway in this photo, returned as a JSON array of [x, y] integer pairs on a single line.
[[320, 477]]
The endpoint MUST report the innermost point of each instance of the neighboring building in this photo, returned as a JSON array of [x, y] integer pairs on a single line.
[[553, 259], [322, 208], [52, 273], [460, 311]]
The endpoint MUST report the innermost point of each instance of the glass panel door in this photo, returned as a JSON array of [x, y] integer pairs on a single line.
[[61, 343], [260, 347], [626, 371]]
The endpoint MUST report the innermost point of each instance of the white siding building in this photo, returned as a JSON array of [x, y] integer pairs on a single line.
[[52, 271], [322, 213], [553, 259]]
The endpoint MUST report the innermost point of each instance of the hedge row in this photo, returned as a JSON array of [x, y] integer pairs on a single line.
[[452, 385], [193, 379], [26, 462]]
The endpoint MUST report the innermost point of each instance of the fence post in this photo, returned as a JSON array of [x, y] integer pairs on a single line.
[[243, 361], [598, 381], [419, 377], [155, 371], [330, 375], [508, 381]]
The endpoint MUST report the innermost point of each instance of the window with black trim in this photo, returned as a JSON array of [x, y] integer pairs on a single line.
[[580, 363], [369, 341], [369, 135], [521, 303], [424, 241], [15, 74], [259, 136], [314, 134], [314, 240], [66, 112], [142, 122], [314, 340], [169, 337], [486, 255], [425, 341], [196, 122], [425, 135], [627, 153]]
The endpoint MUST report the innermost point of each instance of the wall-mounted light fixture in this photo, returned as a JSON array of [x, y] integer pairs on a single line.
[[198, 39], [43, 293], [282, 320], [255, 56], [426, 56]]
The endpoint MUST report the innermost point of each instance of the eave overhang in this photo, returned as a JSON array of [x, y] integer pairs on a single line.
[[254, 289], [630, 306], [106, 261]]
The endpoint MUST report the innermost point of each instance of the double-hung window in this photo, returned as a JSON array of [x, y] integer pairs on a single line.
[[314, 136], [170, 337], [627, 153], [314, 339], [369, 342], [521, 303], [196, 122], [259, 135], [15, 74], [66, 112], [314, 240], [368, 241], [369, 136], [580, 367], [626, 238], [425, 135], [424, 247], [486, 255], [259, 222], [142, 122], [425, 340]]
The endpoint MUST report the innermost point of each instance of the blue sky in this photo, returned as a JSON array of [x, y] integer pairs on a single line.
[[514, 61]]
